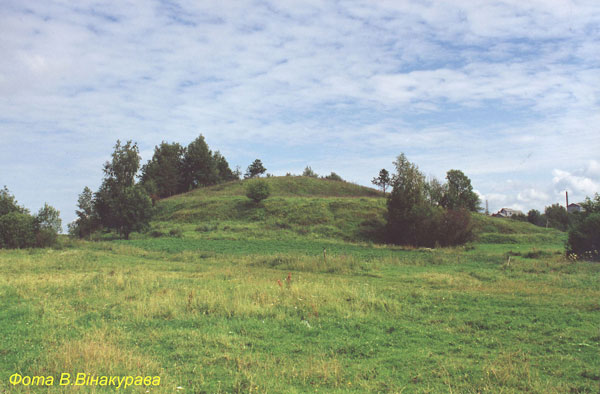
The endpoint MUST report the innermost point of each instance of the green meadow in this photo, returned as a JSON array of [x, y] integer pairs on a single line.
[[297, 295]]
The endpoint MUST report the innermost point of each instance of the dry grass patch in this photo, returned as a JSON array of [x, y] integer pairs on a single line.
[[99, 352]]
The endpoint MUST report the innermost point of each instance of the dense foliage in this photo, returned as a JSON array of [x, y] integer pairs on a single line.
[[258, 190], [87, 220], [584, 232], [255, 169], [199, 168], [308, 171], [120, 204], [458, 192], [382, 180], [333, 177], [174, 169], [20, 229], [557, 217], [417, 217], [163, 174], [535, 217]]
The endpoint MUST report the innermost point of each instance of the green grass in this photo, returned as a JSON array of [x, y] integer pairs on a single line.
[[210, 309]]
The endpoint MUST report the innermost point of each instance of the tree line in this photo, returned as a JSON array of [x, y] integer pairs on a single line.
[[175, 169], [420, 212], [21, 229], [124, 205]]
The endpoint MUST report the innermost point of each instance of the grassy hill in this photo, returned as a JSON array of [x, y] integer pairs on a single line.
[[298, 206], [303, 208], [291, 297]]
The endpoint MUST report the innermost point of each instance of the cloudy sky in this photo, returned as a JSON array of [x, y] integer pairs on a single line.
[[507, 91]]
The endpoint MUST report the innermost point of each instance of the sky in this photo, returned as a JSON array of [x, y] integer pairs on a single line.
[[506, 91]]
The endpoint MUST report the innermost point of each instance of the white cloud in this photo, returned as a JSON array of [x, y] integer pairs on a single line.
[[564, 180], [532, 196], [499, 89]]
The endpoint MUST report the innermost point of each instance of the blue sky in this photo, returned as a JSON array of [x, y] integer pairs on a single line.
[[507, 91]]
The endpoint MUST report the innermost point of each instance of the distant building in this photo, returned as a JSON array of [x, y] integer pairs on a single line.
[[572, 208], [507, 212]]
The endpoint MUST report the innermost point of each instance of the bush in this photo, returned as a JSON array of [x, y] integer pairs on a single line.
[[45, 237], [584, 238], [176, 232], [413, 219], [309, 172], [258, 190], [17, 230], [456, 228], [334, 177], [520, 217], [156, 234]]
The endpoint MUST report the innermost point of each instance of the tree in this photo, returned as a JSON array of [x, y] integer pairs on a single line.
[[383, 180], [87, 221], [19, 229], [123, 167], [199, 167], [557, 217], [406, 202], [224, 173], [8, 203], [414, 216], [48, 225], [162, 175], [591, 205], [435, 191], [519, 217], [459, 192], [258, 190], [334, 177], [120, 204], [584, 232], [255, 169], [535, 217], [309, 172], [48, 218]]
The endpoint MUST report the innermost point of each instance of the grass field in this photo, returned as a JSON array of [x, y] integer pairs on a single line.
[[211, 308]]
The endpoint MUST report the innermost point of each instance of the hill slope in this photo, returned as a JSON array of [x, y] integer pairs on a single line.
[[307, 209], [302, 206]]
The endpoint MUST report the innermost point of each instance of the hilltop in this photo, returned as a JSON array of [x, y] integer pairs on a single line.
[[298, 206]]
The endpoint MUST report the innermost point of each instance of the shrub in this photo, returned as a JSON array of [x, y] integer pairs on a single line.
[[176, 232], [156, 234], [456, 228], [584, 238], [520, 217], [334, 177], [17, 230], [258, 190], [207, 227], [414, 219], [309, 172]]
